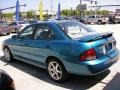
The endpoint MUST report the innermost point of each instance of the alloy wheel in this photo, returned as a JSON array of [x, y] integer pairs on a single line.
[[55, 70], [7, 54]]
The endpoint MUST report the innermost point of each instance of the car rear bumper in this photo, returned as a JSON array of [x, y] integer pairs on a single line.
[[92, 67], [98, 68]]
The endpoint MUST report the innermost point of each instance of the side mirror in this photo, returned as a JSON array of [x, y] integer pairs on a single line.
[[14, 36]]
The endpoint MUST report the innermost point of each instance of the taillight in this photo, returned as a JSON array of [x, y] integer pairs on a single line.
[[88, 55]]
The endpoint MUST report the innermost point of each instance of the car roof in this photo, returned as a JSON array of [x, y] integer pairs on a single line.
[[54, 22], [17, 21]]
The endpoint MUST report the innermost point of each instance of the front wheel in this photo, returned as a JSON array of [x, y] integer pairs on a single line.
[[57, 71], [7, 54]]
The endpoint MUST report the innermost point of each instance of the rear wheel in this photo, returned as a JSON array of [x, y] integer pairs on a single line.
[[8, 33], [16, 30], [7, 54], [99, 22], [56, 70]]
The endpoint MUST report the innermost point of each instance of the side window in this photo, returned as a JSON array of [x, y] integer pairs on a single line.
[[14, 23], [93, 16], [62, 27], [44, 32], [10, 24], [27, 33], [97, 17]]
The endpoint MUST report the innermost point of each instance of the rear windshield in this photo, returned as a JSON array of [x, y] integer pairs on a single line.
[[75, 29], [24, 22]]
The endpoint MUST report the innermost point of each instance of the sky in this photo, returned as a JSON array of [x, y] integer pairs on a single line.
[[65, 4]]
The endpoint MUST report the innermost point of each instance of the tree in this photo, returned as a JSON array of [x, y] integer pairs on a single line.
[[77, 12], [66, 12], [8, 15], [29, 14], [87, 13], [104, 12]]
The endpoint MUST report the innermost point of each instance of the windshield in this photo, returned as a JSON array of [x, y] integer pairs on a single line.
[[75, 29], [3, 23], [23, 22]]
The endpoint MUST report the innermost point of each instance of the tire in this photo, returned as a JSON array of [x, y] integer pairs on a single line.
[[56, 71], [16, 30], [104, 22], [119, 22], [7, 54], [99, 22], [8, 33]]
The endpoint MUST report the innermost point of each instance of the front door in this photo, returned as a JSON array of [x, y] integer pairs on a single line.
[[21, 48]]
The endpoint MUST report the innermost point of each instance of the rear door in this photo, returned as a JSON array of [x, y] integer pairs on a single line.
[[40, 46]]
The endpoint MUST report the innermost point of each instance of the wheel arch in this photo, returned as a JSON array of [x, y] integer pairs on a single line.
[[99, 20], [54, 57], [64, 71], [5, 46]]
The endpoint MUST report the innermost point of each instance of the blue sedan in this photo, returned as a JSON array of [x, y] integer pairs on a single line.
[[63, 47]]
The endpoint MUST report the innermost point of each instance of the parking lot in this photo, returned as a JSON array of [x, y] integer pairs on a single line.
[[28, 77]]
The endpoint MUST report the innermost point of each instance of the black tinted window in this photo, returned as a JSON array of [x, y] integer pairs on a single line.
[[44, 32], [13, 23], [28, 32]]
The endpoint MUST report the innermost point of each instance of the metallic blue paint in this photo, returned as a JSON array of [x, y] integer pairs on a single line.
[[68, 51]]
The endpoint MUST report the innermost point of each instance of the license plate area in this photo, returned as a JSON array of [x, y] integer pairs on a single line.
[[110, 46]]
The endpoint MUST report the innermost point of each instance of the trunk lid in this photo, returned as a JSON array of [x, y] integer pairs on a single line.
[[103, 43], [94, 37]]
